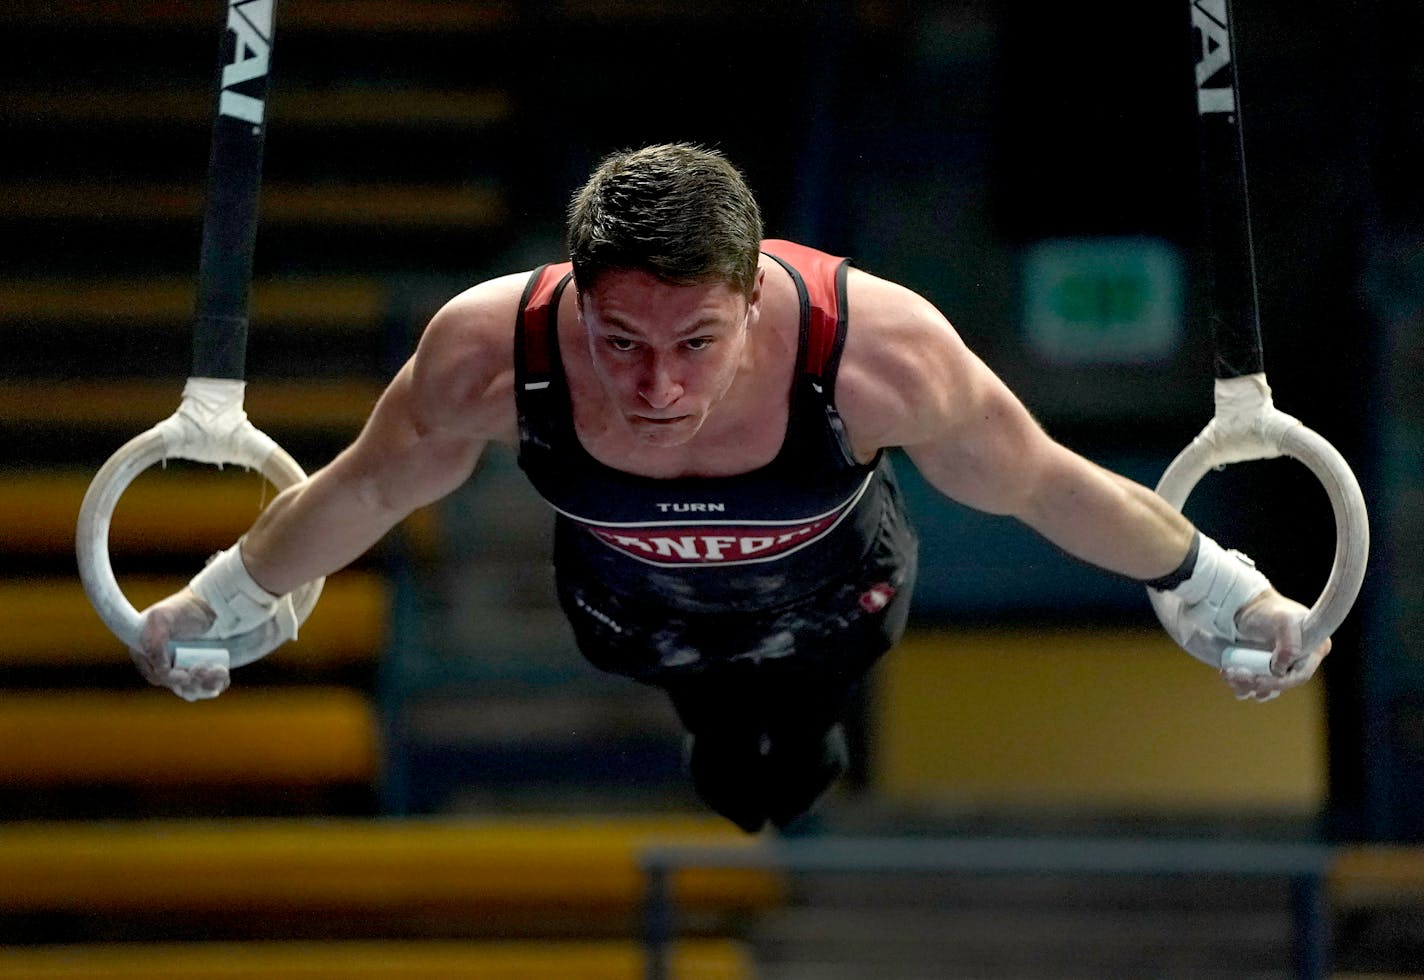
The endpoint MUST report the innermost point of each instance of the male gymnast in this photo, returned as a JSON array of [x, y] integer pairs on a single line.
[[708, 413]]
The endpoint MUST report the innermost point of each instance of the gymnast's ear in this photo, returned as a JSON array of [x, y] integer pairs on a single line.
[[754, 299]]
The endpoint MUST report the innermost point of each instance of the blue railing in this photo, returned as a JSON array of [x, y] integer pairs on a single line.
[[1303, 865]]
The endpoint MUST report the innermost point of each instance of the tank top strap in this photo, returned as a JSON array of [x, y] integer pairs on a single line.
[[820, 281], [540, 394]]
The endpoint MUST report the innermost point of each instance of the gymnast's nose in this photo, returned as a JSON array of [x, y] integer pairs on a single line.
[[658, 388]]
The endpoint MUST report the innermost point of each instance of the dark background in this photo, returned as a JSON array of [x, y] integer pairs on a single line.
[[935, 143]]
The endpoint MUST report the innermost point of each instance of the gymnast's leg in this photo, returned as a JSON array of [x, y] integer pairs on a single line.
[[766, 741], [726, 742], [805, 740]]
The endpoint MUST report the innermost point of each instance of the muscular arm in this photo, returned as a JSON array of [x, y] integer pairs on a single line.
[[421, 442], [908, 380]]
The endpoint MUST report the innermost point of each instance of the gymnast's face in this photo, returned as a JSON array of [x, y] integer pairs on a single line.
[[665, 354]]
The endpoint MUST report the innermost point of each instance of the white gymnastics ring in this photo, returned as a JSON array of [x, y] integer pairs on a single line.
[[209, 427], [1247, 427]]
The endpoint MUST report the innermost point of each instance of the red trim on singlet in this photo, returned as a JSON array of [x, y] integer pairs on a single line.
[[818, 270], [538, 331]]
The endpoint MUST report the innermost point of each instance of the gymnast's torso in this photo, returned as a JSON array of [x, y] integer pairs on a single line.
[[807, 515]]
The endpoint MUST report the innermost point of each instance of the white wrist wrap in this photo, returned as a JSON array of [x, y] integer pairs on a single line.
[[238, 602], [1202, 610]]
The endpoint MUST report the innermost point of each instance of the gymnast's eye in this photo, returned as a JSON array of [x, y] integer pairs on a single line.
[[698, 343], [621, 344]]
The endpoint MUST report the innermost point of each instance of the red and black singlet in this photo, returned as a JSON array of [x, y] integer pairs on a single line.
[[749, 541]]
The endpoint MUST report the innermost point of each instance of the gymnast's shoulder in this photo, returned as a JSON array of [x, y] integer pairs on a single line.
[[463, 366], [902, 365]]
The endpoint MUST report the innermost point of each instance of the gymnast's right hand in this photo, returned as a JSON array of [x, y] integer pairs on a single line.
[[181, 616]]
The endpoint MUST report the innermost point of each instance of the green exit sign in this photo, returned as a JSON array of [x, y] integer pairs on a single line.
[[1103, 300]]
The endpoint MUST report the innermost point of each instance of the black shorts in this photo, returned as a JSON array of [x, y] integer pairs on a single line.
[[795, 663]]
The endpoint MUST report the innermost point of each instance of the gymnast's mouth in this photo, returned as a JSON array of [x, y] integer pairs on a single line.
[[649, 420]]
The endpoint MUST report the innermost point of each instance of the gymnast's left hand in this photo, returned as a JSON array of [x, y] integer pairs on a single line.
[[1272, 620], [181, 616]]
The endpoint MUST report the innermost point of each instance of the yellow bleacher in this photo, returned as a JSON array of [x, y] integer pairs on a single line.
[[391, 960]]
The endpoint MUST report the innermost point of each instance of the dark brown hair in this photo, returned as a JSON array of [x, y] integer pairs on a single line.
[[679, 211]]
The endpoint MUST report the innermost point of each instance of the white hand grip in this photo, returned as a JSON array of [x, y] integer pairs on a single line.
[[1248, 427], [1246, 658], [187, 434], [190, 654]]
